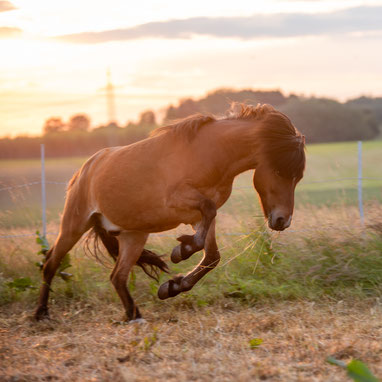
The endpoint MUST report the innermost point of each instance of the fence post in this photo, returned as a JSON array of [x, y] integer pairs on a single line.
[[43, 191], [360, 203]]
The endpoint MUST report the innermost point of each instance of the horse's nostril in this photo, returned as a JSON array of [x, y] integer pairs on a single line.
[[280, 222]]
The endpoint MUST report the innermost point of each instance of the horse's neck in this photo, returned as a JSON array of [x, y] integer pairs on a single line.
[[237, 140]]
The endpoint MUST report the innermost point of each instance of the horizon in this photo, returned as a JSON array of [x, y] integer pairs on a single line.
[[160, 115], [55, 60]]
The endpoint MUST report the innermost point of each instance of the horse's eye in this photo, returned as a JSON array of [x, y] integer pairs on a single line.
[[277, 173]]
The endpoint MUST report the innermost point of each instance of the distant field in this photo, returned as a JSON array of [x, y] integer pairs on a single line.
[[21, 207]]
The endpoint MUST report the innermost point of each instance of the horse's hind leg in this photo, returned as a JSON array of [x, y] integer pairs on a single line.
[[211, 258], [131, 245], [150, 262], [67, 238]]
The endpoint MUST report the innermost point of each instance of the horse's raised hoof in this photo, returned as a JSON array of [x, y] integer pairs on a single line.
[[176, 254], [170, 288], [42, 313], [187, 248]]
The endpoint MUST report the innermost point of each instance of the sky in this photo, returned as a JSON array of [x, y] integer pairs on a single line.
[[54, 55]]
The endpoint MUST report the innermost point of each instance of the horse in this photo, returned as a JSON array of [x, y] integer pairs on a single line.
[[182, 173]]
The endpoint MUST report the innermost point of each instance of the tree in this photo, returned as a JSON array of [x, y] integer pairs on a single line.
[[79, 122], [326, 120], [186, 107], [371, 107], [147, 118], [53, 125]]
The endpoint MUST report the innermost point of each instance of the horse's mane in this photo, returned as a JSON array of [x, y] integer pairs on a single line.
[[277, 139], [282, 145], [187, 127], [241, 111]]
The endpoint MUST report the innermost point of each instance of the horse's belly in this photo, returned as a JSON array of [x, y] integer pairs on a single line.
[[149, 219], [154, 208]]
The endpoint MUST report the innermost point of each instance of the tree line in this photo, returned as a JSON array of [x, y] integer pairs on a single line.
[[319, 119], [76, 138]]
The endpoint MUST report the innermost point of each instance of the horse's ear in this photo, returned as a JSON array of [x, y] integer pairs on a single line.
[[303, 140]]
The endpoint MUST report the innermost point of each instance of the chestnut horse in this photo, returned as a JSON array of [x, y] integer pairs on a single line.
[[182, 173]]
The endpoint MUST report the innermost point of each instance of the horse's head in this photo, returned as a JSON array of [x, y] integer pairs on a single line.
[[281, 164], [276, 195]]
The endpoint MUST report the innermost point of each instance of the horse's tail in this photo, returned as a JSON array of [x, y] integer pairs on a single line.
[[150, 262]]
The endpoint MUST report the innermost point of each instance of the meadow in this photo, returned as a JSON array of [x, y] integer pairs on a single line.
[[274, 309]]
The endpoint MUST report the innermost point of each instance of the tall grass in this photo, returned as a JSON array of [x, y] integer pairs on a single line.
[[259, 266]]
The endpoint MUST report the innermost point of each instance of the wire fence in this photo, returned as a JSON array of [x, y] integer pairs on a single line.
[[25, 185], [43, 182]]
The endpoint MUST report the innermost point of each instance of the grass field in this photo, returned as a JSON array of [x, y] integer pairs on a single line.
[[310, 292]]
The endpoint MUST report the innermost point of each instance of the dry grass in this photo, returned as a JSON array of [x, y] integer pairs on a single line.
[[208, 344]]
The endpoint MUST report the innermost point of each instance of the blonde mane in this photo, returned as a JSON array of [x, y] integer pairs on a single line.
[[241, 111]]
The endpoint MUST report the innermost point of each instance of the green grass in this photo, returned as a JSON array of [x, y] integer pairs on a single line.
[[255, 268], [338, 161]]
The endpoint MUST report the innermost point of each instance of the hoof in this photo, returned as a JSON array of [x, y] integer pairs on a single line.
[[170, 288], [176, 255], [41, 313], [187, 248], [139, 321]]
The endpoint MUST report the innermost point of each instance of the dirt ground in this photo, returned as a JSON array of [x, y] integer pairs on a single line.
[[184, 344]]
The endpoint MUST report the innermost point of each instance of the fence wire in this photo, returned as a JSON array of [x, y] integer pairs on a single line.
[[234, 188]]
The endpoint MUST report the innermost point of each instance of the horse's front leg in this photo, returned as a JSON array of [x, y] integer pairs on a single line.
[[184, 283], [194, 243]]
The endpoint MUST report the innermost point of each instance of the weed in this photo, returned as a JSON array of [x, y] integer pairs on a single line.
[[20, 284], [356, 370], [255, 343], [150, 341]]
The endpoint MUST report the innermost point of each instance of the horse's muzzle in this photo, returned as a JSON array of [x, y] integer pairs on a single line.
[[279, 223]]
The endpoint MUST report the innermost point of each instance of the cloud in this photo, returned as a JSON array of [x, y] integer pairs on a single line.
[[6, 6], [356, 19], [9, 32]]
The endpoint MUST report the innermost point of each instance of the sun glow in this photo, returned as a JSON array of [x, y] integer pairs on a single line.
[[41, 76]]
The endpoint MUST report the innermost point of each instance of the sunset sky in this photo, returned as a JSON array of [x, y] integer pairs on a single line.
[[54, 55]]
